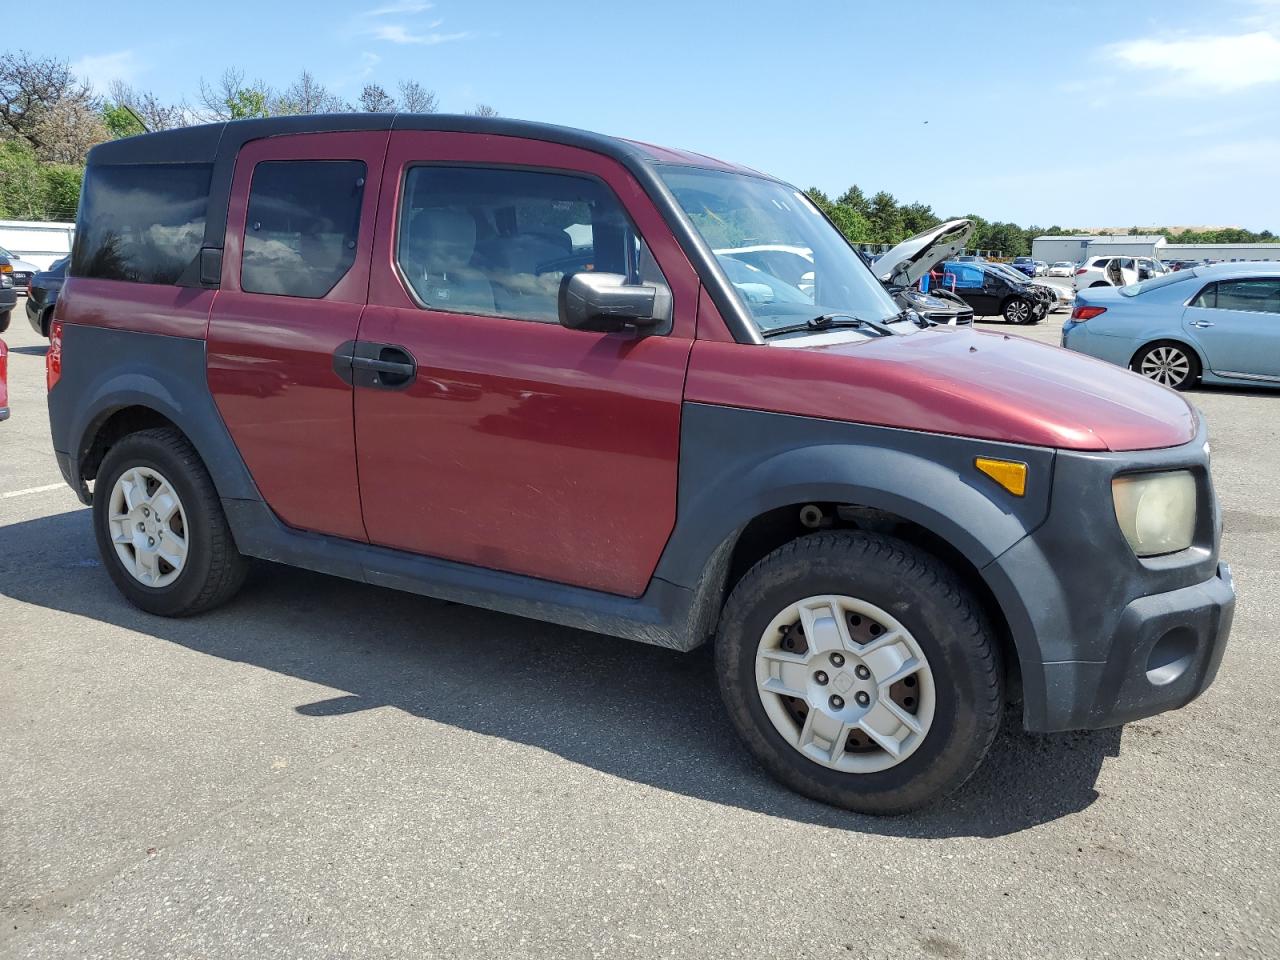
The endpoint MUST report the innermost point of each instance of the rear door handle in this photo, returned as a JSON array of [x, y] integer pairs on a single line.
[[1202, 323], [394, 367], [385, 366]]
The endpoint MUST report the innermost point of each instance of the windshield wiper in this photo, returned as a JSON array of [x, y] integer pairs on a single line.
[[828, 321]]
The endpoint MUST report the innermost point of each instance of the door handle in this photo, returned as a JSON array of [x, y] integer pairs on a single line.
[[1202, 323], [382, 365], [394, 367]]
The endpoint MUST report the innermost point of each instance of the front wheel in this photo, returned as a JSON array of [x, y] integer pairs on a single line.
[[1169, 363], [860, 671], [1018, 310], [160, 527], [4, 320]]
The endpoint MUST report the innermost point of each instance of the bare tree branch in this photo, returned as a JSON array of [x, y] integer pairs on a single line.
[[415, 98]]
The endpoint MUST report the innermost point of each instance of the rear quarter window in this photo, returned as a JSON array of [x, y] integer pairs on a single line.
[[143, 223]]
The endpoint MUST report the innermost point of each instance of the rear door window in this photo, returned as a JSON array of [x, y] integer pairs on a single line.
[[1254, 296], [143, 223], [497, 241], [301, 228]]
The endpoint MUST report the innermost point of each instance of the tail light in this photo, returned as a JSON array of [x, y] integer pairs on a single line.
[[1087, 313], [1082, 270], [53, 359]]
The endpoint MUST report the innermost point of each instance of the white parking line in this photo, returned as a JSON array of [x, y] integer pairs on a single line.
[[22, 493]]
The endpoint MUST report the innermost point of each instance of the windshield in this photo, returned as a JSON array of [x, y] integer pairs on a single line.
[[1155, 283], [786, 262]]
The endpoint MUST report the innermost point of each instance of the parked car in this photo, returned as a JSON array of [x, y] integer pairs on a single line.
[[1042, 268], [8, 297], [1024, 265], [1057, 298], [4, 381], [1175, 265], [19, 269], [910, 262], [1115, 271], [1063, 268], [882, 526], [995, 290], [1216, 324], [42, 296]]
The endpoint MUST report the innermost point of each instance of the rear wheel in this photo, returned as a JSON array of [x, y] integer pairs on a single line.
[[4, 320], [160, 527], [860, 672], [1169, 363], [1099, 283], [1017, 310]]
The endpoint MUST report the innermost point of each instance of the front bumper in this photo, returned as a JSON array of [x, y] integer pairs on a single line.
[[1164, 653], [1104, 637]]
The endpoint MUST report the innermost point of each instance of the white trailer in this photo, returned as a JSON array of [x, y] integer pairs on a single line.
[[38, 242]]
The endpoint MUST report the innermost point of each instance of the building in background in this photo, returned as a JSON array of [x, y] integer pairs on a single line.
[[37, 241], [1079, 248]]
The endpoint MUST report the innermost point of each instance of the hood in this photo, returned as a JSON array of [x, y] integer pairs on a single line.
[[951, 380], [921, 253]]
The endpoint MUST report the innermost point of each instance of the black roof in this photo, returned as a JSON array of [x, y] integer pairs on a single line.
[[203, 144]]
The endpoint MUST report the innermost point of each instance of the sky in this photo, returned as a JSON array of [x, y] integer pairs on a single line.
[[1079, 114]]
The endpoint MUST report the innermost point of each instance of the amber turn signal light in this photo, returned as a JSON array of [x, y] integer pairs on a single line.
[[1010, 474]]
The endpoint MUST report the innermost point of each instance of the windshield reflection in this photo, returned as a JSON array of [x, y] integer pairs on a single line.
[[786, 262]]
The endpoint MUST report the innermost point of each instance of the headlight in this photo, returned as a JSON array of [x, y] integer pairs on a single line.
[[1156, 511]]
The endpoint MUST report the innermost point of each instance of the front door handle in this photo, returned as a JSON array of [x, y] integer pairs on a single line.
[[1202, 323]]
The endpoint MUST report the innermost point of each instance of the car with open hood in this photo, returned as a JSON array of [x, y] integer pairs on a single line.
[[902, 269], [515, 365]]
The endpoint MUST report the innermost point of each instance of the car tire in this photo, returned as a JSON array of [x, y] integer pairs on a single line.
[[908, 607], [1018, 310], [46, 321], [147, 481], [1099, 283], [4, 320], [1167, 362]]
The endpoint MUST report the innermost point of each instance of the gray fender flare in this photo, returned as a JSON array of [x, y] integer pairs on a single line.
[[102, 375]]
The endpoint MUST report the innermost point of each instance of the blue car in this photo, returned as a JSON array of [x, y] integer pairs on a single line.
[[1218, 324], [1025, 265]]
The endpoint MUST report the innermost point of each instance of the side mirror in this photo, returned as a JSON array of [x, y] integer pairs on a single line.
[[606, 303]]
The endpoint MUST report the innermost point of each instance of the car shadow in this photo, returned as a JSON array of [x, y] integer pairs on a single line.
[[38, 351], [642, 713]]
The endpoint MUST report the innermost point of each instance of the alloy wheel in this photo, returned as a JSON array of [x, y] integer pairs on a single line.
[[845, 684], [1166, 364], [1019, 311], [148, 527]]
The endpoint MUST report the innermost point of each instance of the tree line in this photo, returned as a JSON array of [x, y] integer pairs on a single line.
[[881, 219], [50, 118]]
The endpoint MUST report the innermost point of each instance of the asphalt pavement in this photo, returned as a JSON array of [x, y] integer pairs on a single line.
[[326, 769]]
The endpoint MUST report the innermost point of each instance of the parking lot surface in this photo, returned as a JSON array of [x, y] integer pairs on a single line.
[[325, 769]]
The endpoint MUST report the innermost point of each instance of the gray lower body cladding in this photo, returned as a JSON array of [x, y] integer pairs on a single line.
[[1092, 624]]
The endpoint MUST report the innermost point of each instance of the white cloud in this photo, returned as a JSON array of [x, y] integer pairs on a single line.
[[99, 71], [1212, 64], [403, 6], [398, 33]]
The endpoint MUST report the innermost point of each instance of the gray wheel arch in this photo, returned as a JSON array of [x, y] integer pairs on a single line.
[[107, 372]]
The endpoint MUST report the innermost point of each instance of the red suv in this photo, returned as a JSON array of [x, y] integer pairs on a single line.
[[519, 366]]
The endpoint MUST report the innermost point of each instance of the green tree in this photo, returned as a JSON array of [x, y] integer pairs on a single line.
[[120, 121], [886, 219]]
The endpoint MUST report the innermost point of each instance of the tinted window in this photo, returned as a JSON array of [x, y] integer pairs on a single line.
[[301, 229], [1256, 296], [498, 242], [143, 223]]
